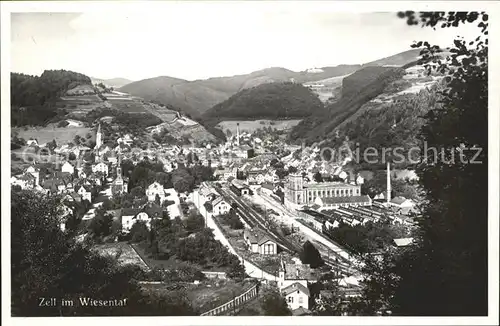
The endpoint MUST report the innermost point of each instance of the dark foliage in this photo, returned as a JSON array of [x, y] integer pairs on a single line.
[[45, 262], [446, 272], [310, 255], [274, 304], [365, 84], [33, 98], [271, 101]]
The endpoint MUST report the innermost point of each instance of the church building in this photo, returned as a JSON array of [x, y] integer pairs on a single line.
[[299, 193]]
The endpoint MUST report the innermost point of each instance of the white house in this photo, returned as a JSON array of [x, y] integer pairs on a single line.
[[35, 173], [32, 142], [225, 174], [360, 180], [256, 176], [84, 192], [101, 167], [402, 202], [403, 242], [127, 139], [220, 206], [296, 296], [25, 181], [292, 282], [155, 189], [67, 167], [129, 219], [259, 242]]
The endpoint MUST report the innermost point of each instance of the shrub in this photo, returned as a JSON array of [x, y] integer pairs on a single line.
[[62, 124]]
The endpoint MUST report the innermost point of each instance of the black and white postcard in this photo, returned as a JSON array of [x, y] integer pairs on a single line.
[[229, 162]]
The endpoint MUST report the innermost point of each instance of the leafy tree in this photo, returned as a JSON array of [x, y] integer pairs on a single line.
[[194, 223], [139, 232], [100, 226], [45, 262], [445, 272], [317, 177], [310, 255], [137, 192], [451, 273], [281, 173], [232, 220], [72, 223], [52, 145], [62, 124], [182, 180], [274, 304]]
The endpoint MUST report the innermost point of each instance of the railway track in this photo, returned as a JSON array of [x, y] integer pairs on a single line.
[[254, 219], [336, 261]]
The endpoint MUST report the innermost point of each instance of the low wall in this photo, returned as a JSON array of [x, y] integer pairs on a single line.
[[233, 304]]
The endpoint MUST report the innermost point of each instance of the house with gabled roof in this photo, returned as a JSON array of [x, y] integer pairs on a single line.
[[32, 142], [293, 280], [85, 192], [403, 242], [296, 296], [25, 181], [68, 167], [345, 201], [128, 218], [220, 206], [155, 189], [260, 242], [402, 202], [101, 167]]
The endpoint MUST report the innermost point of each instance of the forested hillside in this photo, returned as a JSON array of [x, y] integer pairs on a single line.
[[33, 98], [268, 101], [391, 125], [362, 86]]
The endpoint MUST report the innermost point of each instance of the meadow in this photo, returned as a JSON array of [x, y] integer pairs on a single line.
[[252, 125]]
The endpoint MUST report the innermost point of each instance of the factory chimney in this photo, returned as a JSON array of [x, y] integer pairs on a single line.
[[388, 183], [238, 134]]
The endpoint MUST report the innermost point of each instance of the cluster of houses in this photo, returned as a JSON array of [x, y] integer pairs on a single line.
[[293, 281], [79, 183]]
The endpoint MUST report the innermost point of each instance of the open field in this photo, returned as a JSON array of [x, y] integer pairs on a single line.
[[252, 125], [127, 105], [47, 134], [154, 263], [127, 255], [327, 88]]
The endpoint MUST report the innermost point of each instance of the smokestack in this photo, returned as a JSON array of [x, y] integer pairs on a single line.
[[388, 183], [238, 134]]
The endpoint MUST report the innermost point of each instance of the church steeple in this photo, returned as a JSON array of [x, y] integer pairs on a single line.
[[98, 137], [119, 167]]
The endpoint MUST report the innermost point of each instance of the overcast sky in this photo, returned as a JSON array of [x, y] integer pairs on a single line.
[[194, 41]]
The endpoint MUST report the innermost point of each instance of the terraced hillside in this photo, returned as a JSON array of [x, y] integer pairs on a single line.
[[386, 111]]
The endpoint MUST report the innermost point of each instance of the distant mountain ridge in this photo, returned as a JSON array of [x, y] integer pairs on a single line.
[[113, 82], [196, 97]]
